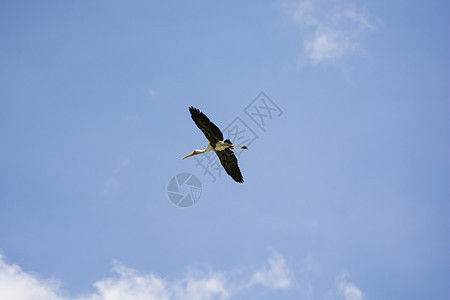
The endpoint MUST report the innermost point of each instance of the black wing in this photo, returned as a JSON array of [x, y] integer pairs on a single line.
[[230, 164], [211, 131]]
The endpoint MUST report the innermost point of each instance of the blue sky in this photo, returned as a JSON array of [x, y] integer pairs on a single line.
[[346, 192]]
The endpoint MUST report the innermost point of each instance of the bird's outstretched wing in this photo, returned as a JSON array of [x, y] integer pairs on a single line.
[[211, 131], [230, 164]]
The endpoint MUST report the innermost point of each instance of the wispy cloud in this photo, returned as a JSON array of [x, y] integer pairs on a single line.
[[347, 289], [130, 284], [329, 29], [275, 274]]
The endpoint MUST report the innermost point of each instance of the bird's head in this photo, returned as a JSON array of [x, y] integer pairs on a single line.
[[195, 152]]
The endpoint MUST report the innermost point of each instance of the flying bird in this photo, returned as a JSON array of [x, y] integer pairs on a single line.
[[217, 144]]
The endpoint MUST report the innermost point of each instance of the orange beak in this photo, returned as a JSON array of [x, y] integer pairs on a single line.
[[192, 154]]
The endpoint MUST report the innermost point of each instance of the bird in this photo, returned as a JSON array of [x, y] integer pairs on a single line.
[[217, 144]]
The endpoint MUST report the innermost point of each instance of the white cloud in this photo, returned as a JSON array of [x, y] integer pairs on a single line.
[[211, 286], [16, 284], [134, 286], [326, 45], [276, 275], [348, 290], [329, 29], [128, 284]]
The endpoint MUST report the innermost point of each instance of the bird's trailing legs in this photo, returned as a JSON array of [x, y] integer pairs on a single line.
[[238, 147], [228, 144]]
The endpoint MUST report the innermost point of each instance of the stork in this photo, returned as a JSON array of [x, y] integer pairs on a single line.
[[217, 144]]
